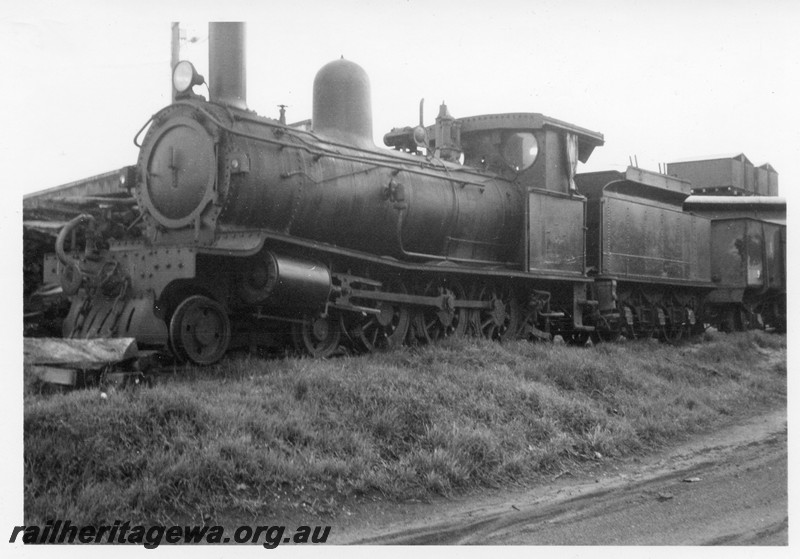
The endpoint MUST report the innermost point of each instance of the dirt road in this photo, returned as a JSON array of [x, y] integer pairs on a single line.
[[726, 488]]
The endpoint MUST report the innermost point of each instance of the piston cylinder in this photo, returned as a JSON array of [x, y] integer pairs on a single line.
[[284, 283]]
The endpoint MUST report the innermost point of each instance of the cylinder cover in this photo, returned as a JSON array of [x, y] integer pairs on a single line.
[[284, 282]]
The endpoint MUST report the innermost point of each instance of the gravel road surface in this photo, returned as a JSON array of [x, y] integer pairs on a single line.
[[724, 488]]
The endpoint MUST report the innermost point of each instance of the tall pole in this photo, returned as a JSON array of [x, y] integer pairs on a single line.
[[175, 53]]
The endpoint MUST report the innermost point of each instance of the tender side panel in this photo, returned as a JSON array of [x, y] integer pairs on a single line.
[[730, 259], [775, 250], [555, 232], [652, 241], [748, 253]]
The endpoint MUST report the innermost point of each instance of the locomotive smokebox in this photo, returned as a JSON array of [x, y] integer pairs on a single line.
[[226, 64], [342, 106]]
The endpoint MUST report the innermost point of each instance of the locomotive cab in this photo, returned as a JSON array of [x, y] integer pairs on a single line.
[[528, 148]]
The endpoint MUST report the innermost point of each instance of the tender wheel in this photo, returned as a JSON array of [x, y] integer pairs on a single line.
[[317, 336], [385, 330], [645, 323], [698, 328], [499, 322], [743, 320], [677, 324], [200, 330], [671, 334], [576, 338], [606, 336], [627, 323], [727, 321], [606, 332]]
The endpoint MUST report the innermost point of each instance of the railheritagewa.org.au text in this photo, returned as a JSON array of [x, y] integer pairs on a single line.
[[64, 532]]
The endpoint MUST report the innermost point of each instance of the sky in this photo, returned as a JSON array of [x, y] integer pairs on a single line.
[[662, 81]]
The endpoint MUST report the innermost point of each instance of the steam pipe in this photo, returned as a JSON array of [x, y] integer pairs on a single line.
[[66, 260]]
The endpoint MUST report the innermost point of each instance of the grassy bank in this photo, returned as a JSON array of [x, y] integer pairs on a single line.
[[253, 437]]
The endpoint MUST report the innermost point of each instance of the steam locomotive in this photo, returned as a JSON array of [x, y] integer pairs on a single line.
[[249, 230]]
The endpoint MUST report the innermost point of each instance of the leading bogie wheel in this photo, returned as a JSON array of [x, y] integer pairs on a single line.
[[317, 336], [200, 330]]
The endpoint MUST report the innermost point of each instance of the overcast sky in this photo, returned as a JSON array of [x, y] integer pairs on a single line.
[[662, 80]]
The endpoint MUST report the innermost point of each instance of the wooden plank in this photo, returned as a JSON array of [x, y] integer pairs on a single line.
[[54, 375], [79, 354]]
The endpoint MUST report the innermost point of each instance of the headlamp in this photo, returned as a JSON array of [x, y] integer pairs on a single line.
[[184, 77]]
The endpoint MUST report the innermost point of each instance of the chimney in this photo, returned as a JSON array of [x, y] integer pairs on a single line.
[[227, 81]]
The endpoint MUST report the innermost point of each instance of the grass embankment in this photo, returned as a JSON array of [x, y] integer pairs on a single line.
[[266, 438]]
